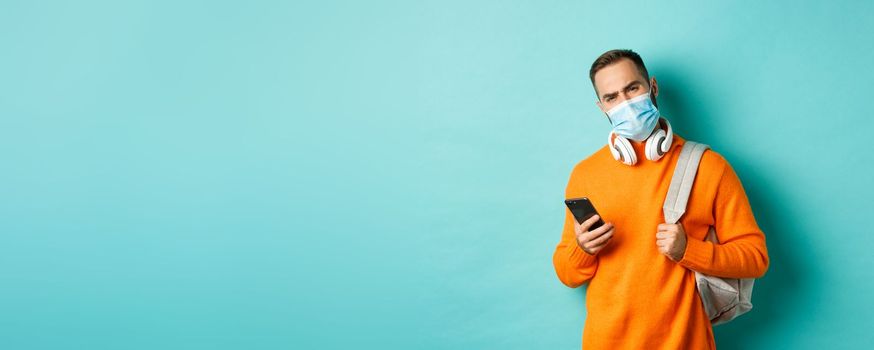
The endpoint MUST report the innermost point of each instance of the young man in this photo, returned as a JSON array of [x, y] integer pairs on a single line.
[[642, 292]]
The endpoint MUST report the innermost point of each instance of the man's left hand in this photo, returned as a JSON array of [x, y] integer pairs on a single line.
[[671, 240]]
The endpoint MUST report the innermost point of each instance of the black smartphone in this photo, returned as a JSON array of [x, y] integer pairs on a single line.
[[583, 209]]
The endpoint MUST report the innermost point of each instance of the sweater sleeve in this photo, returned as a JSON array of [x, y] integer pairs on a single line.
[[741, 251], [572, 265]]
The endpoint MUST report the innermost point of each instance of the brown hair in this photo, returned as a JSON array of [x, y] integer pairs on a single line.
[[613, 56]]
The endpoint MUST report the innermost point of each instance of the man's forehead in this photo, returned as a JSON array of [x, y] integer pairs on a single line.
[[614, 77]]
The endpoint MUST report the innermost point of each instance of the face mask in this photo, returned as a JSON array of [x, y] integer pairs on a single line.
[[635, 118]]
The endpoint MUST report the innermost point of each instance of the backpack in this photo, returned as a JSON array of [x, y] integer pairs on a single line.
[[723, 298]]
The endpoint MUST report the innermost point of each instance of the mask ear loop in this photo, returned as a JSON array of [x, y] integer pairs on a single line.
[[652, 96], [605, 113]]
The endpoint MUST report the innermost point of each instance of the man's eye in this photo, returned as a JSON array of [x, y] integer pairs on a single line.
[[633, 88]]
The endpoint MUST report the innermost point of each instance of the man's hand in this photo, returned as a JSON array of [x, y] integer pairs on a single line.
[[593, 241], [671, 240]]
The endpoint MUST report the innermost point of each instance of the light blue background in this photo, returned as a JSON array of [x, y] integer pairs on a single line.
[[390, 175]]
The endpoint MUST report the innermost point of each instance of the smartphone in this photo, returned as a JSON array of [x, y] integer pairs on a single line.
[[583, 209]]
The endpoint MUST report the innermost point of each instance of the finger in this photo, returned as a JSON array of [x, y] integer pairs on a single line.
[[603, 228], [590, 221], [603, 239], [663, 235], [590, 235], [592, 251], [667, 227], [598, 248], [600, 240], [595, 251], [665, 241]]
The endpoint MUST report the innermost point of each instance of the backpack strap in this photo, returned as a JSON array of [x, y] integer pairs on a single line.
[[681, 182], [723, 298]]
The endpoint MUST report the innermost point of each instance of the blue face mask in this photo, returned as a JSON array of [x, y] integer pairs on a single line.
[[634, 119]]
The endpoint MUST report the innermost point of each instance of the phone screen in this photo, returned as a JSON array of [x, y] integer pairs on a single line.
[[583, 209]]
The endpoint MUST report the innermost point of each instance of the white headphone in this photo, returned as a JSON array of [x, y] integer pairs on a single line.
[[657, 145]]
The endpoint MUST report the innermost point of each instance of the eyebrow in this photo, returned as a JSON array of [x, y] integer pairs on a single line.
[[613, 94]]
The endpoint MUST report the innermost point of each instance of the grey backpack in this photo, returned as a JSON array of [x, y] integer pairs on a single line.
[[723, 298]]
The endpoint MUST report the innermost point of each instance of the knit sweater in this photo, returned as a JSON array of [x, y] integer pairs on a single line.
[[638, 298]]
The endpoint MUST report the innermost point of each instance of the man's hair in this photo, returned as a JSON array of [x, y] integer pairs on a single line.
[[613, 56]]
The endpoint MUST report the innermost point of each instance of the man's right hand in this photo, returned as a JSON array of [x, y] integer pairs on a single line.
[[593, 241]]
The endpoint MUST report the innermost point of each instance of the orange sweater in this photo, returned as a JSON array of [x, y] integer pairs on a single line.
[[637, 298]]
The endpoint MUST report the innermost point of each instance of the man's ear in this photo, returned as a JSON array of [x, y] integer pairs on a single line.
[[654, 86]]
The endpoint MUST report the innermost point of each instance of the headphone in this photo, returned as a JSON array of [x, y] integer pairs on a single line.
[[657, 145]]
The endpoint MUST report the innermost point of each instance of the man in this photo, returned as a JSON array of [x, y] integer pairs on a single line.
[[642, 292]]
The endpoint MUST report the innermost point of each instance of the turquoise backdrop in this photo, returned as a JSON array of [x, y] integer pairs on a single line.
[[390, 174]]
